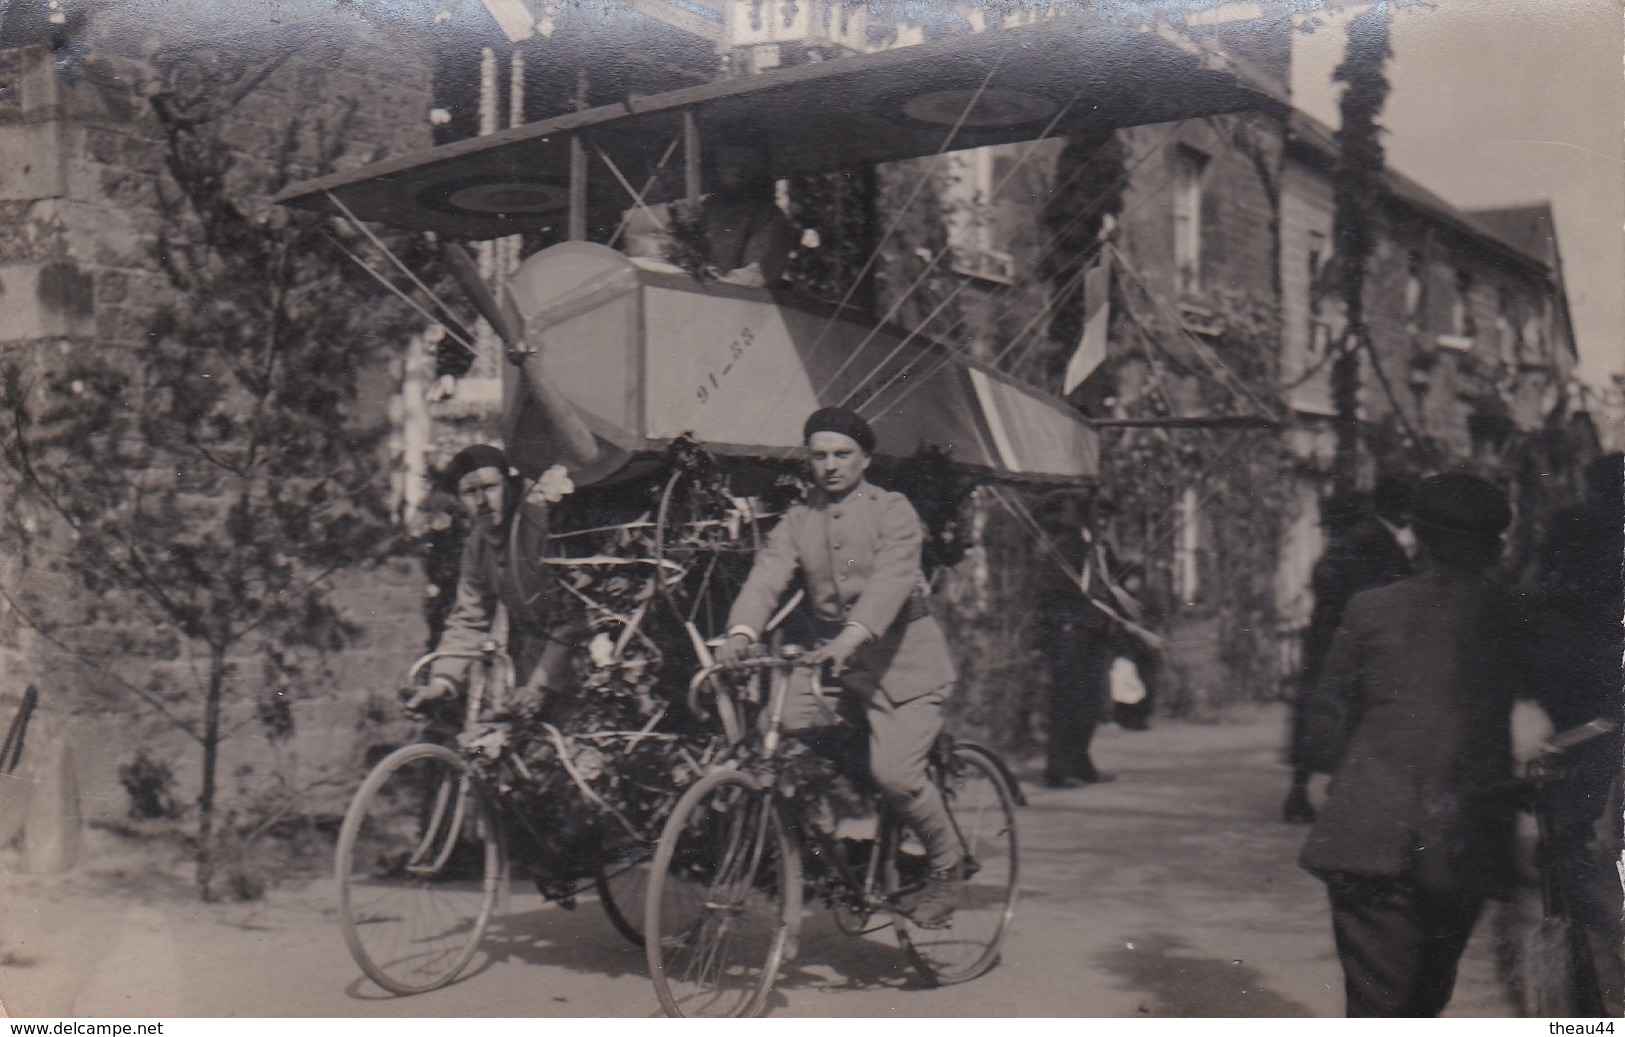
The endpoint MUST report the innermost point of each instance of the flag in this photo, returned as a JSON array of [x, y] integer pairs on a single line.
[[1091, 351]]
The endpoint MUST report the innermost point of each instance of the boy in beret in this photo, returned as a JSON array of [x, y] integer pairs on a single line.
[[857, 548]]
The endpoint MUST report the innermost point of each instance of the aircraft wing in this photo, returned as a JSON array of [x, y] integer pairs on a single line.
[[1087, 76]]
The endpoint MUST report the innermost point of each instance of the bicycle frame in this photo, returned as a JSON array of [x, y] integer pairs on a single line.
[[491, 680], [825, 847]]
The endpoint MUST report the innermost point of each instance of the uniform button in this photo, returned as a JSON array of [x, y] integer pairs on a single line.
[[836, 545], [842, 577], [835, 514]]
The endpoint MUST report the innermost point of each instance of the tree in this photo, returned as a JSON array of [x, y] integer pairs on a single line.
[[1358, 190], [211, 481]]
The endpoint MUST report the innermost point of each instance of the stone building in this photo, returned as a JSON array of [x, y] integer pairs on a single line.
[[1225, 222]]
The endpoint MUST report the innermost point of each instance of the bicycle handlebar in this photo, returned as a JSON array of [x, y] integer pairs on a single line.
[[783, 661], [488, 650], [1589, 731]]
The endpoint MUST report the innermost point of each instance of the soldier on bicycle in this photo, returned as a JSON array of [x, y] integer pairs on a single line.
[[501, 565], [857, 548]]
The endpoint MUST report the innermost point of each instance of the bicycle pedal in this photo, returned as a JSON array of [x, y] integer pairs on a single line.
[[936, 927]]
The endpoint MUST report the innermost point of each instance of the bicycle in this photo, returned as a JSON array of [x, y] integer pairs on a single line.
[[724, 903], [424, 850], [1561, 974]]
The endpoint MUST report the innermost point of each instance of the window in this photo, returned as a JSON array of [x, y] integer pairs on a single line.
[[1188, 546], [1508, 334], [1461, 307], [1463, 327], [1320, 330], [1415, 292], [980, 238], [1189, 165], [1534, 335]]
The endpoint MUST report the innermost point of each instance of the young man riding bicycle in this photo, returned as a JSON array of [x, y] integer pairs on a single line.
[[501, 565], [857, 548]]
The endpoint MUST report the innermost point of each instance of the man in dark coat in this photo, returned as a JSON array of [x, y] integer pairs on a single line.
[[1076, 639], [1418, 688], [1363, 551]]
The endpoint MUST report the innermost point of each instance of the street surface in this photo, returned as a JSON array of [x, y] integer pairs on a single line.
[[1170, 892]]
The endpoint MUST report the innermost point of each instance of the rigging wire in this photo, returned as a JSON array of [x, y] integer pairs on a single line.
[[1007, 293], [637, 196], [392, 287], [1073, 282], [402, 267], [897, 220], [932, 265]]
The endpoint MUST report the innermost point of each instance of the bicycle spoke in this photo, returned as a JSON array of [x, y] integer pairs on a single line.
[[724, 914]]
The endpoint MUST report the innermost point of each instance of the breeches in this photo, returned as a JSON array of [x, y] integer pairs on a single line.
[[900, 740]]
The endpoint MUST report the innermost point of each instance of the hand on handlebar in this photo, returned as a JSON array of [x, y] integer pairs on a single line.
[[413, 699], [836, 651], [734, 650]]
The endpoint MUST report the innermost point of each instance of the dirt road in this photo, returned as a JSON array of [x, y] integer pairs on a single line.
[[1170, 892]]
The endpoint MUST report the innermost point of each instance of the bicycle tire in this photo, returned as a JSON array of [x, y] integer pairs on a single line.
[[410, 906], [700, 529], [983, 809], [622, 881], [724, 905]]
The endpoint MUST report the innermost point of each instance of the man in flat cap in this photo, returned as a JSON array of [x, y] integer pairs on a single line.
[[1417, 690], [857, 548], [501, 565]]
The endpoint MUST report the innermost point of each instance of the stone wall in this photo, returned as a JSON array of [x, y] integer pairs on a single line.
[[83, 185]]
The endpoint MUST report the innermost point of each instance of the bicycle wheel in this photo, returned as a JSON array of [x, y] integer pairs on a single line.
[[724, 904], [983, 810], [622, 880], [713, 538], [419, 862]]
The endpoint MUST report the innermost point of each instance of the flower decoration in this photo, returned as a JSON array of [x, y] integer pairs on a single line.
[[554, 485]]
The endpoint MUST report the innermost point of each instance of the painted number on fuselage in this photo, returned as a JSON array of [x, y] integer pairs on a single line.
[[736, 350]]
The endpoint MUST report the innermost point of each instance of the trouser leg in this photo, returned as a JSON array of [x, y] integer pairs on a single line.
[[1399, 944], [1073, 712], [900, 740]]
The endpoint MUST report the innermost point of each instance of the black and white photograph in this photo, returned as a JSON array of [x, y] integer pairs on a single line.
[[1102, 509]]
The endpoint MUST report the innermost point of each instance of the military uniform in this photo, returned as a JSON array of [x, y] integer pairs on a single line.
[[859, 560]]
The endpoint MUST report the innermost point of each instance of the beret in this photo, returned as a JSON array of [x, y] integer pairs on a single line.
[[1462, 504], [472, 459], [847, 423]]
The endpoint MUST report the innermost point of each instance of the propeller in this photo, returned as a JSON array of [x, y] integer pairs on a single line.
[[573, 434]]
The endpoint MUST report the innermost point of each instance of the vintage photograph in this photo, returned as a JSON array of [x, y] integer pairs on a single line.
[[811, 508]]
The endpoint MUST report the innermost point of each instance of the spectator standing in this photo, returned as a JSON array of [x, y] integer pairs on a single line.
[[1077, 639], [1366, 548]]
